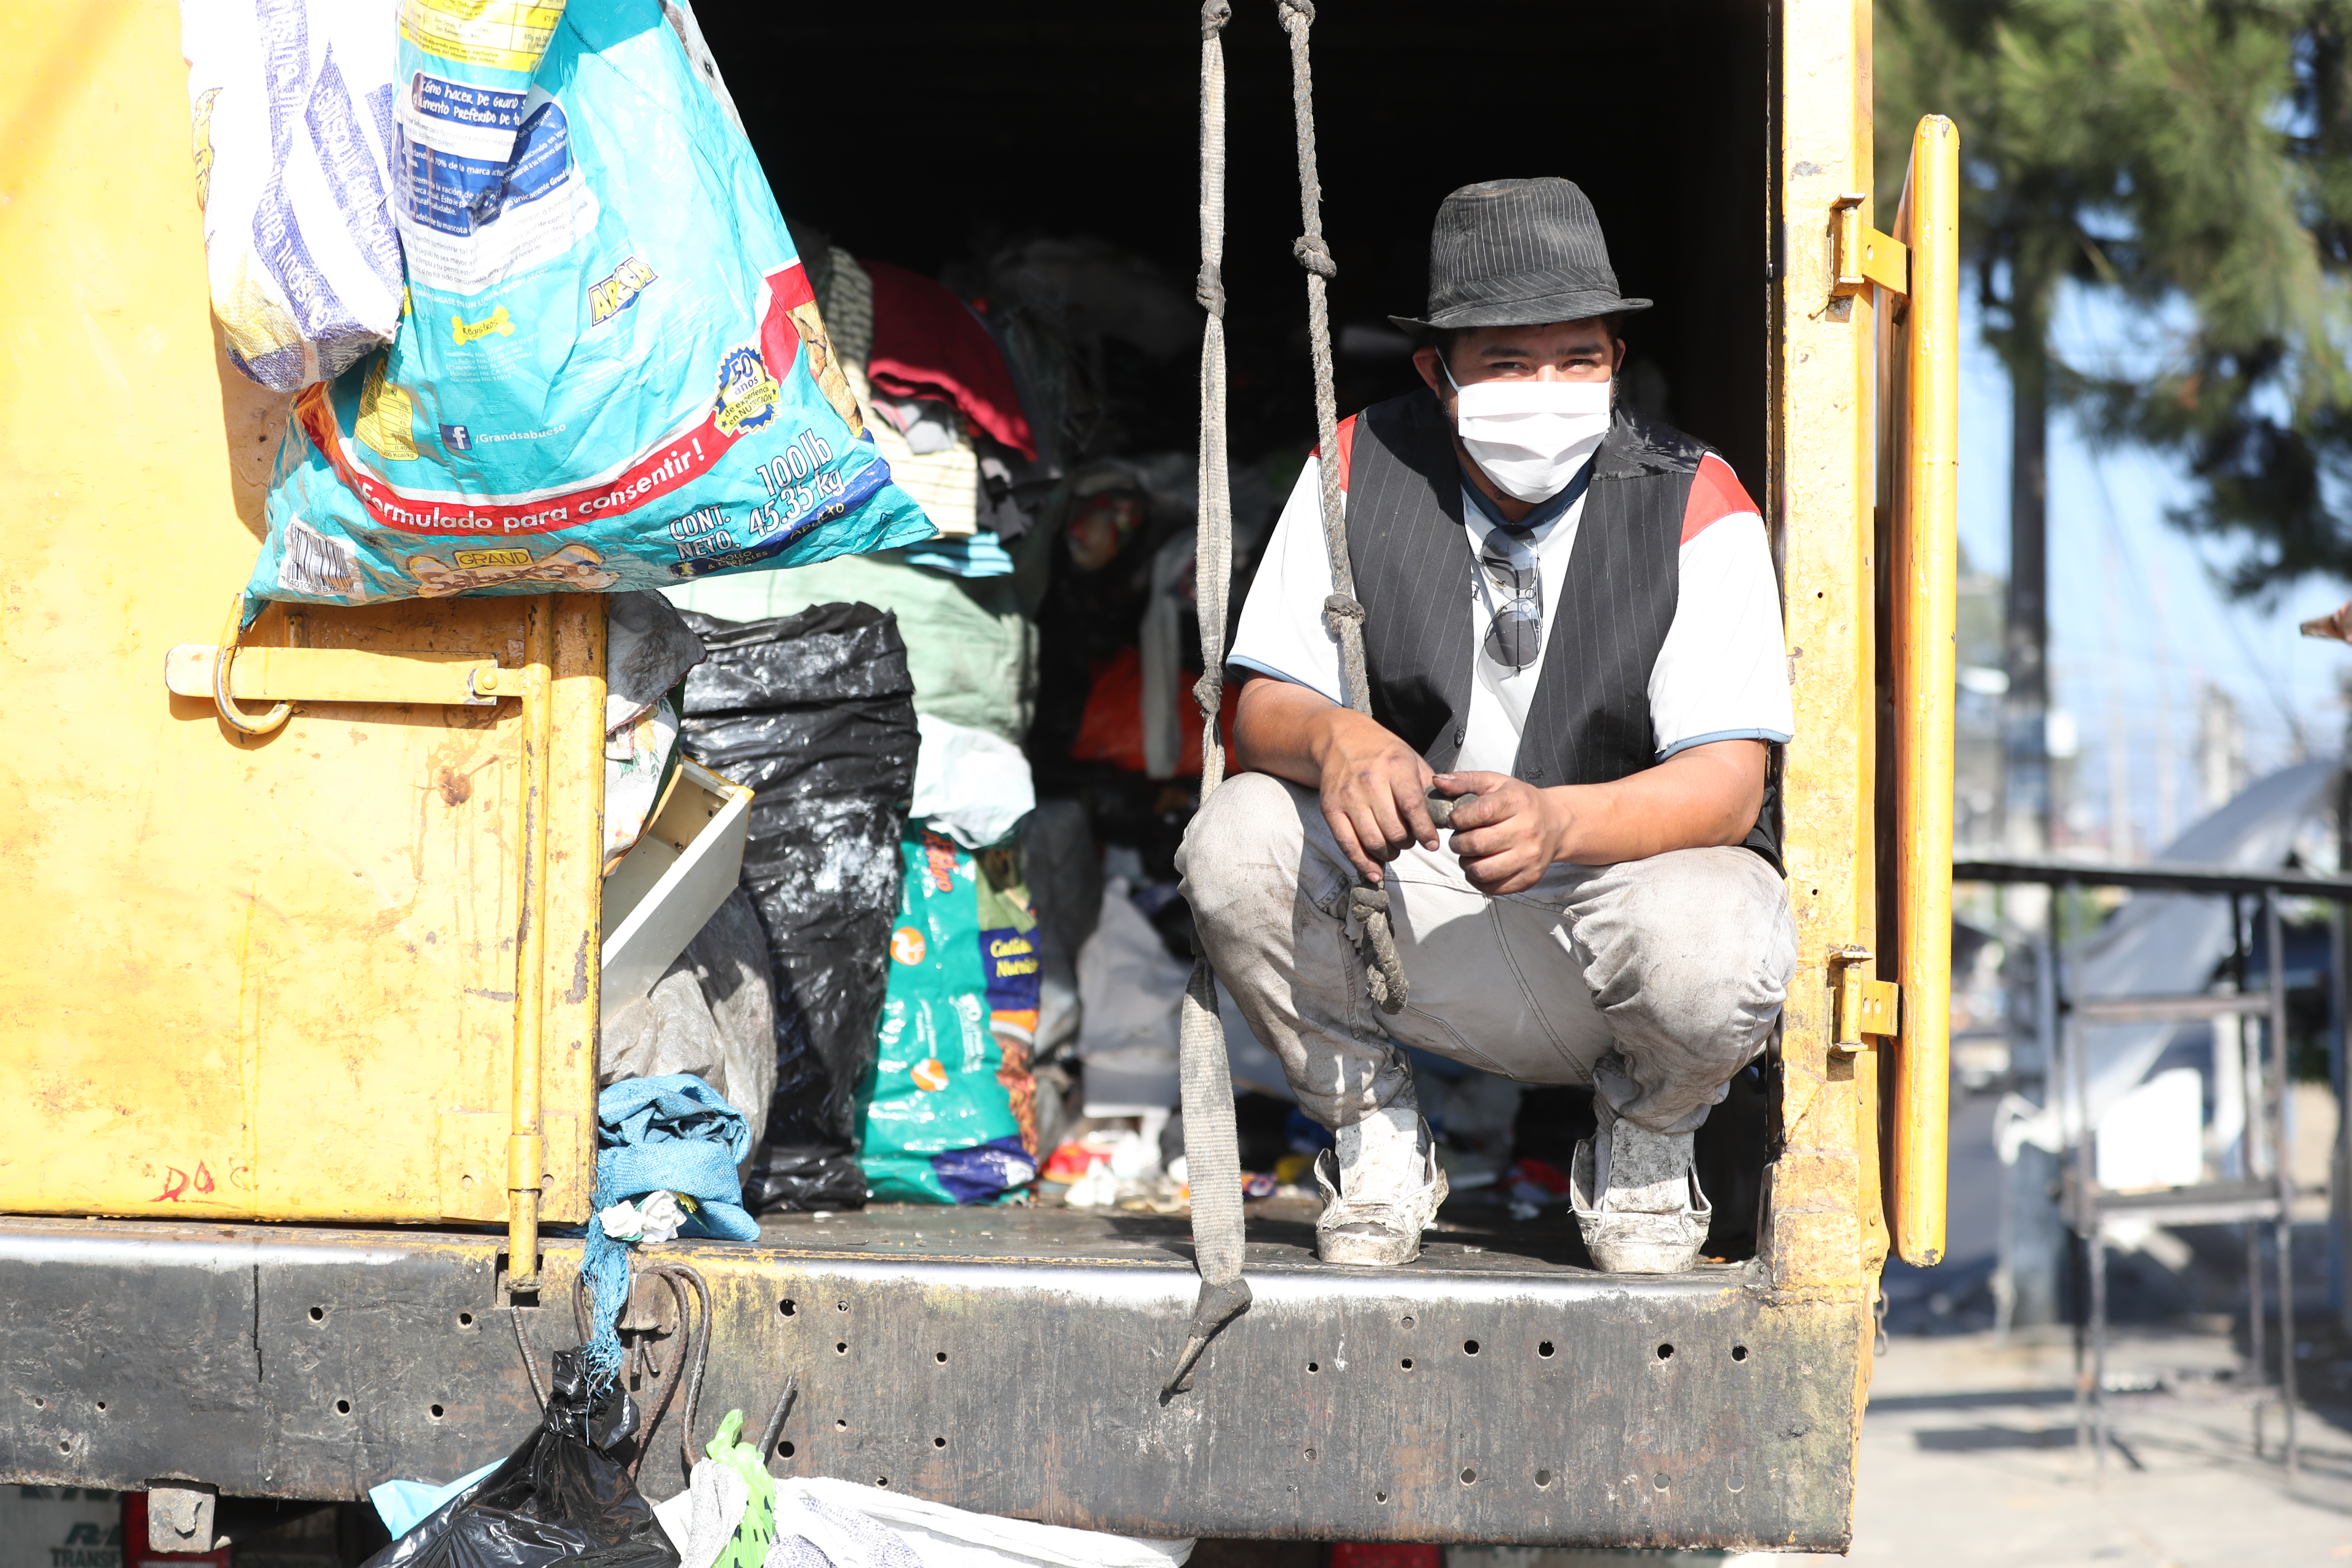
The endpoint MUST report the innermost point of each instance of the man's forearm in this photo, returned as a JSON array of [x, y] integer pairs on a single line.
[[1702, 797], [1371, 783], [1274, 725], [1295, 732], [1511, 831]]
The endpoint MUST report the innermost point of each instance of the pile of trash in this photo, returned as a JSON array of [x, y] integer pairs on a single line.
[[1004, 983], [899, 733]]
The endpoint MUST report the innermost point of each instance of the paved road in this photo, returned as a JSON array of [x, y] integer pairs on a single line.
[[1968, 1457]]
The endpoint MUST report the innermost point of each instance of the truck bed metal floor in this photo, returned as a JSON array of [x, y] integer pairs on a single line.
[[1477, 1238], [1008, 1360]]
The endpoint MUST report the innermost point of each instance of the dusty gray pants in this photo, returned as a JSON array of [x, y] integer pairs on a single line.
[[1654, 981]]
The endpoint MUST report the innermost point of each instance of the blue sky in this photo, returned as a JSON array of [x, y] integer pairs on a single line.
[[2132, 595]]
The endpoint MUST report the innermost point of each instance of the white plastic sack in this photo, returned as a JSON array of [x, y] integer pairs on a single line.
[[827, 1523], [291, 108], [973, 786], [869, 1527], [1129, 982], [712, 1013], [1129, 989], [1130, 996]]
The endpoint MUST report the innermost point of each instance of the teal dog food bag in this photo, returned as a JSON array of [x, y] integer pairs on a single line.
[[609, 373], [948, 1106]]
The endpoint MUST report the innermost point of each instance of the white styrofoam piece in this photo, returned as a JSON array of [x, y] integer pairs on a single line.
[[660, 896]]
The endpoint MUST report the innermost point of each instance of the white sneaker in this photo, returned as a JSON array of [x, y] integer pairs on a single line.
[[1381, 1189], [1637, 1198]]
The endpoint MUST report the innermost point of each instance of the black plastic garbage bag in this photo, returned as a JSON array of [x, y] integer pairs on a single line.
[[816, 713], [559, 1498]]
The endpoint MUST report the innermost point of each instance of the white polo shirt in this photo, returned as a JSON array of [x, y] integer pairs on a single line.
[[1721, 675]]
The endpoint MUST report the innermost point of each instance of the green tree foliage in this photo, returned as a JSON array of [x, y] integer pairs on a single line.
[[2193, 158]]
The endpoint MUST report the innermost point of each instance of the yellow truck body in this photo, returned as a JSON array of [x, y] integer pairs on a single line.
[[346, 971]]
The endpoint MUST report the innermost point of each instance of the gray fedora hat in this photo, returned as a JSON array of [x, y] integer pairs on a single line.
[[1516, 253]]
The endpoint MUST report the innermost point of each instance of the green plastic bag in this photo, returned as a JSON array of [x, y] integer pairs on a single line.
[[747, 1548], [948, 1106]]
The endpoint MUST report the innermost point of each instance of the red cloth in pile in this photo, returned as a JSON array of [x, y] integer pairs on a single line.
[[1111, 728], [927, 344]]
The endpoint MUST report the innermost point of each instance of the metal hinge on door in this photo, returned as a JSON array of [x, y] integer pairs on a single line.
[[282, 674], [1862, 1005], [1862, 255], [344, 675]]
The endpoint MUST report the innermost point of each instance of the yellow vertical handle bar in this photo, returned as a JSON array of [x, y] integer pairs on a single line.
[[1927, 574], [526, 1145]]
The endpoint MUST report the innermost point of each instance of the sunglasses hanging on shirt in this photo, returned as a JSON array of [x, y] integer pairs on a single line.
[[1516, 634], [1513, 578]]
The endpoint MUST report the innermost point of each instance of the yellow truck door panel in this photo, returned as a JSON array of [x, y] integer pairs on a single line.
[[255, 978]]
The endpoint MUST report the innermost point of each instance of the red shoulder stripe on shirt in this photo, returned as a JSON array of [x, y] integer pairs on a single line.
[[1715, 494], [1347, 434]]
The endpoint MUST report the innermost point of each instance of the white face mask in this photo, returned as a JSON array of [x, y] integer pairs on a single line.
[[1531, 436]]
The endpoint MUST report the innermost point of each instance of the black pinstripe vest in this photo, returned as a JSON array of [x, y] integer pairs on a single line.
[[1589, 721]]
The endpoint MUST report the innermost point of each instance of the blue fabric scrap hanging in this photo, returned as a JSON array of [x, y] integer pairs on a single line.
[[672, 1133]]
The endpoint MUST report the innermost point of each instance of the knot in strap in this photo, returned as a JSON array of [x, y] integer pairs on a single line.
[[1210, 290], [1340, 607], [1312, 253], [1214, 14], [1302, 9], [1209, 692], [1383, 968]]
